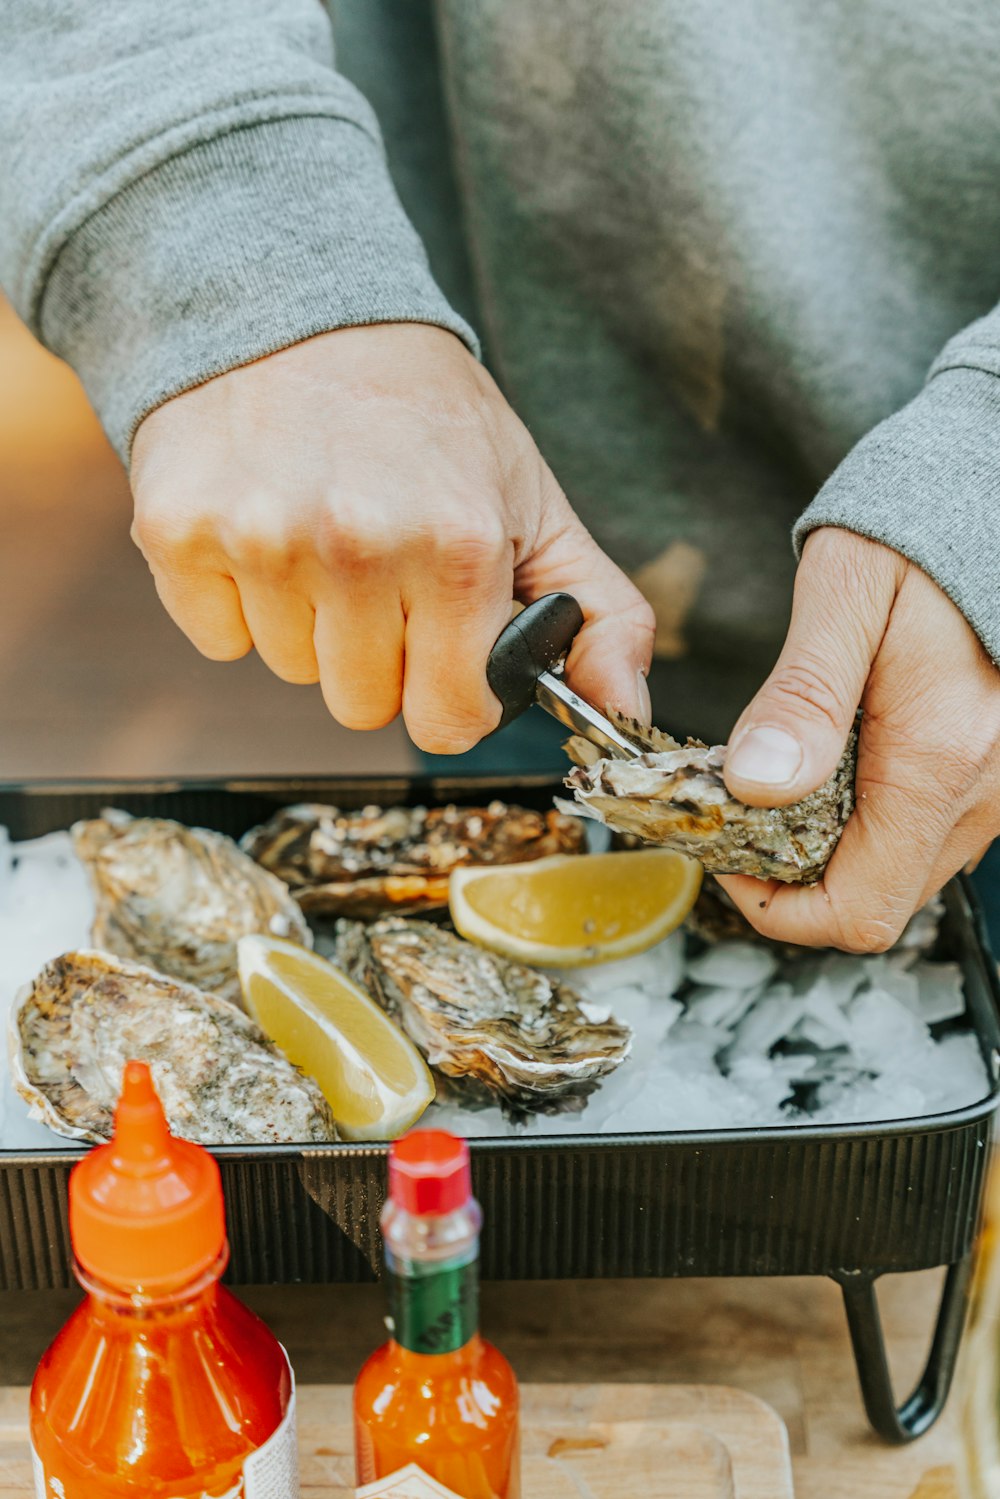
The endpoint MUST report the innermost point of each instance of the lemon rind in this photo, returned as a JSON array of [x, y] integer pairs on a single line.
[[408, 1107]]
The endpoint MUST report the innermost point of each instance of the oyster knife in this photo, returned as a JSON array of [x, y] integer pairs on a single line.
[[525, 667]]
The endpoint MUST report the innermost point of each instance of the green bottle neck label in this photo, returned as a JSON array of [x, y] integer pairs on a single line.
[[434, 1307]]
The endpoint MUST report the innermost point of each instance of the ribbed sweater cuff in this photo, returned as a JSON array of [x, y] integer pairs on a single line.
[[240, 246], [927, 482]]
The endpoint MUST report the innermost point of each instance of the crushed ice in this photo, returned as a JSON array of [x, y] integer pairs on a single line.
[[740, 1035], [744, 1035], [46, 908]]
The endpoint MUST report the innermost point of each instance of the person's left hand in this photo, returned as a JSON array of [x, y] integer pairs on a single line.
[[869, 628]]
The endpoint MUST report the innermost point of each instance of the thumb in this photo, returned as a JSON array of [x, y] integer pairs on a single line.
[[790, 738], [611, 655]]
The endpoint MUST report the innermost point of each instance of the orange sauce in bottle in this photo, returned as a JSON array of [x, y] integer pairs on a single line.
[[436, 1407], [161, 1383]]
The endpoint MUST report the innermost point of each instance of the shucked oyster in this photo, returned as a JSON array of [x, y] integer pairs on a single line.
[[676, 796], [500, 1031], [376, 860], [221, 1081], [178, 898]]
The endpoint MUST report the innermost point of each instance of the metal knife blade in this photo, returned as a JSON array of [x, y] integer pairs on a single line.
[[524, 668], [552, 694]]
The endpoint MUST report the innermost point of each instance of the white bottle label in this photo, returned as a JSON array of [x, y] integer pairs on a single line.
[[272, 1472], [410, 1482]]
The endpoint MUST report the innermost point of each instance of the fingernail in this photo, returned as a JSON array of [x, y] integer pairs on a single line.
[[645, 709], [766, 756]]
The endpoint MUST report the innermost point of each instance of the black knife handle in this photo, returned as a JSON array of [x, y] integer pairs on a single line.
[[532, 643]]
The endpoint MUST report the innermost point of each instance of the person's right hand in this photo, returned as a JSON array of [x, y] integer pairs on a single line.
[[362, 508]]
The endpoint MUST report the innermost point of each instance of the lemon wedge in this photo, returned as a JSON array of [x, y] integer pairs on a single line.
[[567, 911], [376, 1082]]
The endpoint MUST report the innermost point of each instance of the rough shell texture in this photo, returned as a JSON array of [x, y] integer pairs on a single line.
[[498, 1030], [221, 1081], [375, 860], [179, 898], [677, 797]]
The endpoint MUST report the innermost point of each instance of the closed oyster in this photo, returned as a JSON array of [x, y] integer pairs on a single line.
[[376, 860], [179, 898], [676, 796], [220, 1080], [499, 1031]]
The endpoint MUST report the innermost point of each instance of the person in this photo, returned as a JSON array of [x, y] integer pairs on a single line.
[[734, 275]]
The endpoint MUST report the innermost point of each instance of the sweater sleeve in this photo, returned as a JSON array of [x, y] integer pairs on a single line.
[[927, 480], [187, 187]]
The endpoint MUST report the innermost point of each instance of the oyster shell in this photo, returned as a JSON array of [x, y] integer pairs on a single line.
[[676, 796], [715, 918], [220, 1079], [499, 1031], [178, 898], [376, 860]]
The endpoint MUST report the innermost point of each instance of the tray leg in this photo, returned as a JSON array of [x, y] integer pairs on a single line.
[[900, 1424]]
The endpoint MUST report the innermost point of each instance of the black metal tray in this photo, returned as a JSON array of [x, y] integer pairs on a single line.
[[852, 1202]]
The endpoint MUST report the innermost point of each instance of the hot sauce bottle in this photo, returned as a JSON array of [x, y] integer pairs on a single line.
[[161, 1383], [436, 1407]]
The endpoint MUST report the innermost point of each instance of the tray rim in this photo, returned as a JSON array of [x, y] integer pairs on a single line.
[[928, 1124]]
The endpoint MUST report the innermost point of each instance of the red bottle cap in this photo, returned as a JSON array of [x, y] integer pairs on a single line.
[[146, 1210], [429, 1172]]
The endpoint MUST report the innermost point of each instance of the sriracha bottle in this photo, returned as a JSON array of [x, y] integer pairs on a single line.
[[161, 1384], [435, 1408]]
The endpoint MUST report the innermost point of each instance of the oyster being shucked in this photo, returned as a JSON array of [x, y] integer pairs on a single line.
[[376, 860], [220, 1080], [179, 898], [498, 1030], [676, 796]]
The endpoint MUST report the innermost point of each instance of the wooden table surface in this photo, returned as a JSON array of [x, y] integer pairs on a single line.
[[782, 1340]]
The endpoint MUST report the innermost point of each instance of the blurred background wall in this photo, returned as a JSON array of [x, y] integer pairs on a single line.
[[95, 679]]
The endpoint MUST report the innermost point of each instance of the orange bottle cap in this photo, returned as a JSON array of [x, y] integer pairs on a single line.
[[146, 1209]]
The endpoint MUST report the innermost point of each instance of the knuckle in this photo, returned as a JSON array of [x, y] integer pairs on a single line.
[[297, 675], [870, 934], [963, 763], [437, 734], [219, 649], [366, 719], [468, 552], [349, 544], [353, 711], [257, 541], [869, 925], [803, 688], [907, 757], [642, 618], [257, 556], [168, 536]]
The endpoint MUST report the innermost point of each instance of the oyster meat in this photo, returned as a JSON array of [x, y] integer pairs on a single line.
[[675, 796], [373, 861], [499, 1031], [220, 1079], [178, 898]]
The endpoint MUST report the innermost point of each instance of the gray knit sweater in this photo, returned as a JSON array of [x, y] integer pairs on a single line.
[[735, 265]]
